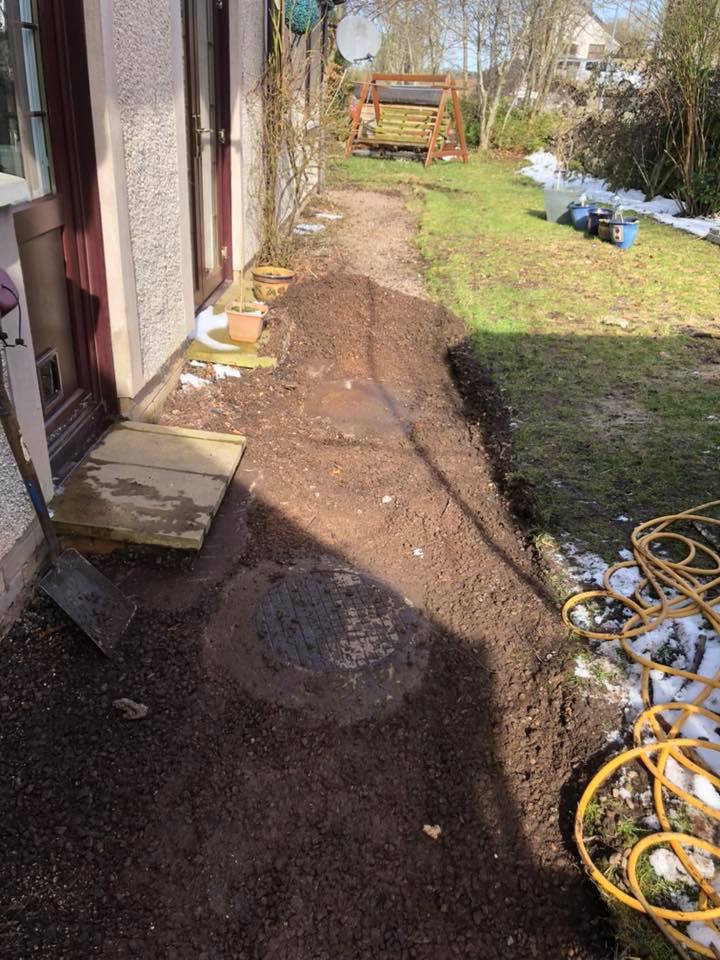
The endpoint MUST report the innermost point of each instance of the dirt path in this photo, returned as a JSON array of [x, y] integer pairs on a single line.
[[266, 811]]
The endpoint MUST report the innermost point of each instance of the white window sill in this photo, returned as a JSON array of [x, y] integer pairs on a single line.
[[12, 190]]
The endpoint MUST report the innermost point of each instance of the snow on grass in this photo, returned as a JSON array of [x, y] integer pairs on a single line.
[[542, 168], [675, 643], [668, 867], [707, 935]]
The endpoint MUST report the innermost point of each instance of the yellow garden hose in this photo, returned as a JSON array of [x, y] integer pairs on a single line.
[[668, 590]]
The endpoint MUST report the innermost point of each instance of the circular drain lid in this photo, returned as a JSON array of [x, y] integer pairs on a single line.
[[332, 620]]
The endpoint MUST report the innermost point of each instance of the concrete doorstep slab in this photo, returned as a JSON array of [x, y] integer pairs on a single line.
[[144, 483]]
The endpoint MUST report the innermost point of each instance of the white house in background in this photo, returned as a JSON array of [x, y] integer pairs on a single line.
[[590, 45], [129, 131]]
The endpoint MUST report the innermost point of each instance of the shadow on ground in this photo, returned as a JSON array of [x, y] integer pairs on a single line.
[[239, 819]]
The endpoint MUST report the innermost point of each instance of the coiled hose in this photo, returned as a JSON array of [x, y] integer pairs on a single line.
[[667, 590]]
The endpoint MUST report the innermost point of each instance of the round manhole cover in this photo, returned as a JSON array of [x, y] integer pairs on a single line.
[[331, 620]]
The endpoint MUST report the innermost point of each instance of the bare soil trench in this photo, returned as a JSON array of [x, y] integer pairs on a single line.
[[272, 807]]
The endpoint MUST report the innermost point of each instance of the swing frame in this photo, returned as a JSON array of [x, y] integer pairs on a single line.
[[409, 126]]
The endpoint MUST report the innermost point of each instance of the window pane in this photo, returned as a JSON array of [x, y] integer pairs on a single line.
[[42, 161], [24, 140], [34, 101]]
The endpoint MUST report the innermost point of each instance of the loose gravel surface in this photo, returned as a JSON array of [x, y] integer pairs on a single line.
[[416, 807]]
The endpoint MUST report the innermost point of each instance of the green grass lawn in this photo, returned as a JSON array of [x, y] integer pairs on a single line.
[[612, 404]]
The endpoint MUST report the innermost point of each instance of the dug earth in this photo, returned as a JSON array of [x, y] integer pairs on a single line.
[[359, 740]]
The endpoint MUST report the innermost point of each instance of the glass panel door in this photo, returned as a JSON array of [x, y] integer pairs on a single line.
[[206, 132], [205, 139], [24, 138]]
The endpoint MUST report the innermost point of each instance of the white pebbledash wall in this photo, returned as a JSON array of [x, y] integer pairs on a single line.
[[20, 534], [135, 62], [137, 86], [247, 66]]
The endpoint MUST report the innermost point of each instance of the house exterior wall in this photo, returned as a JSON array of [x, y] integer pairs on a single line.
[[590, 43], [20, 534], [138, 94], [248, 26], [135, 51], [590, 33], [136, 72], [248, 37]]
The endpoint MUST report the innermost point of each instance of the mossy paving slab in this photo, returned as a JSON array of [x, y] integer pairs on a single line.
[[144, 483]]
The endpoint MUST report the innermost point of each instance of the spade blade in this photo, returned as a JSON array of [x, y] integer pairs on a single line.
[[89, 599]]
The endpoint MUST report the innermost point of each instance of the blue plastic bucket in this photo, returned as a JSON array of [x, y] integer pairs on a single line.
[[624, 233], [595, 215], [579, 213]]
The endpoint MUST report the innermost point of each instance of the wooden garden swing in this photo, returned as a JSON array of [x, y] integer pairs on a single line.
[[409, 112]]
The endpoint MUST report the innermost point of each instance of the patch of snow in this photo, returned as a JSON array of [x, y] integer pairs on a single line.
[[222, 370], [205, 322], [190, 380], [706, 934], [418, 552], [585, 567], [705, 791], [387, 498], [625, 580], [322, 215], [674, 643], [302, 229], [542, 169], [582, 669], [667, 865]]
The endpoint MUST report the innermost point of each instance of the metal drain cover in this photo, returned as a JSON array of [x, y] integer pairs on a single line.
[[331, 620]]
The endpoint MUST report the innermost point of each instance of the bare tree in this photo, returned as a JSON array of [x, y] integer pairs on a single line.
[[500, 30], [551, 27], [685, 69], [418, 35]]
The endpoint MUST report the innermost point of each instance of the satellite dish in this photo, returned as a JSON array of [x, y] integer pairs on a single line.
[[358, 39]]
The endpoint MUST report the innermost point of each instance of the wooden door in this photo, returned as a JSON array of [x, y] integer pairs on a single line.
[[208, 96], [59, 232]]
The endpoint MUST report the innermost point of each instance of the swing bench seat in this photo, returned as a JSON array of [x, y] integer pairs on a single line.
[[434, 130], [403, 126]]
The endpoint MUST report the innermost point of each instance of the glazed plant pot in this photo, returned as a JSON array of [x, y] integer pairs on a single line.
[[604, 229], [271, 282], [557, 202], [624, 233], [595, 215], [245, 324], [579, 214]]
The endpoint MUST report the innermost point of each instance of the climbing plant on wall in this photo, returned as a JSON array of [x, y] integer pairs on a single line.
[[300, 91]]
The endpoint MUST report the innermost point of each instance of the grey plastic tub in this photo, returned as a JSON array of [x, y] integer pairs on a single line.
[[558, 201]]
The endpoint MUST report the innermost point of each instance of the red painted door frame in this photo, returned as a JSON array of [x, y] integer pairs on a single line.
[[64, 55], [222, 79], [67, 95]]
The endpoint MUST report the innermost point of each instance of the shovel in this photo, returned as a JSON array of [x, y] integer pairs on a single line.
[[86, 595]]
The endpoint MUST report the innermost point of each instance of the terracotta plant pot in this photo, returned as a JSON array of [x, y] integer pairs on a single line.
[[245, 324], [271, 282]]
